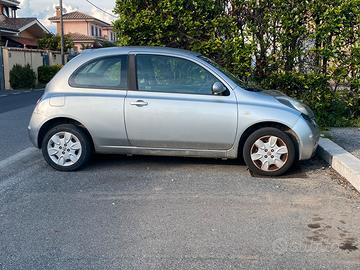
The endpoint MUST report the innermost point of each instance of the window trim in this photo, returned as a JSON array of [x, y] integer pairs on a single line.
[[135, 54], [132, 73], [72, 83]]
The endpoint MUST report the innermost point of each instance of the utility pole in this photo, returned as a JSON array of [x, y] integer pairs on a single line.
[[62, 33]]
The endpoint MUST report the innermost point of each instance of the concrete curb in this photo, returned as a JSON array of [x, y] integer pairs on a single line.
[[341, 161]]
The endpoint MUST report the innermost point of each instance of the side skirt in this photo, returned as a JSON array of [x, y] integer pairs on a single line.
[[166, 152]]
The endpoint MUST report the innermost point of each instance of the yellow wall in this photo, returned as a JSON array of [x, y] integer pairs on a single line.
[[13, 56]]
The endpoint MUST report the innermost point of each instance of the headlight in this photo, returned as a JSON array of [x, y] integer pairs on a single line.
[[301, 107], [309, 120]]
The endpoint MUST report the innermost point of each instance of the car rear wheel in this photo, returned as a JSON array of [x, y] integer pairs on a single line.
[[66, 147], [269, 151]]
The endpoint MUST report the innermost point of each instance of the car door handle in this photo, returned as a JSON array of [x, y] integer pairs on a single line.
[[139, 103]]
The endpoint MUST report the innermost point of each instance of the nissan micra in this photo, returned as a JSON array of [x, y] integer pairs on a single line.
[[163, 101]]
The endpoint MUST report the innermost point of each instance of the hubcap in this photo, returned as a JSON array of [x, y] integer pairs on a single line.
[[269, 153], [64, 148]]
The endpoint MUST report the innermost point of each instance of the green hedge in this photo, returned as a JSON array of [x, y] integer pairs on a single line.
[[46, 73], [22, 77], [332, 108]]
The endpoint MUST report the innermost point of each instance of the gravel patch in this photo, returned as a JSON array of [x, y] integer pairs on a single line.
[[347, 138]]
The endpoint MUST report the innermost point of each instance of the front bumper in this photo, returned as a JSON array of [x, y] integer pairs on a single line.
[[308, 134]]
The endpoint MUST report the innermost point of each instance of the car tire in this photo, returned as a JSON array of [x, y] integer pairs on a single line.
[[269, 151], [66, 147]]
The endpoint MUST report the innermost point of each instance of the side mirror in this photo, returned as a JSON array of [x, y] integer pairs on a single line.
[[218, 88]]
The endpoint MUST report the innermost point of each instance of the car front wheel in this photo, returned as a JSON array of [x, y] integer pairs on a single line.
[[66, 147], [269, 151]]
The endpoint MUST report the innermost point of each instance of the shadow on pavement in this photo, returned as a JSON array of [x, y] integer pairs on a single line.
[[299, 170]]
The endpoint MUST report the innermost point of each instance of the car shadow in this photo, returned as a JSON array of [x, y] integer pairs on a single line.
[[302, 168], [299, 170]]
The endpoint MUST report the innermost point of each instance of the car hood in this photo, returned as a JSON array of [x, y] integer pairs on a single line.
[[279, 97]]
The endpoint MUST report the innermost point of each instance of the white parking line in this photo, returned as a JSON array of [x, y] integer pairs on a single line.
[[18, 156], [13, 180], [3, 95]]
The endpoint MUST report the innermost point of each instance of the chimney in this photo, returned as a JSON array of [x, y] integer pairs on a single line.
[[58, 13]]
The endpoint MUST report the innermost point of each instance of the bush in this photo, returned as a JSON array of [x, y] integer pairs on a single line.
[[46, 73], [332, 108], [22, 77]]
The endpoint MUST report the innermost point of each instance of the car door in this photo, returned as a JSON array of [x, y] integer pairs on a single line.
[[173, 106]]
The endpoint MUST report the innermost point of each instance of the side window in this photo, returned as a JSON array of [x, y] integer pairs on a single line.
[[107, 72], [93, 30], [157, 73]]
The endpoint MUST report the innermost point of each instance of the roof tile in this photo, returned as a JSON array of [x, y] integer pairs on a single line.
[[80, 37], [14, 24], [76, 15]]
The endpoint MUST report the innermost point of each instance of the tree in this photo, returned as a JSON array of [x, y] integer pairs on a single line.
[[198, 25], [53, 42]]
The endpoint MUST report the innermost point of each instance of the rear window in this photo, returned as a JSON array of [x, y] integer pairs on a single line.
[[105, 72]]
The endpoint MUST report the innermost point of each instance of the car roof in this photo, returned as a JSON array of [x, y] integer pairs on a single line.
[[149, 49]]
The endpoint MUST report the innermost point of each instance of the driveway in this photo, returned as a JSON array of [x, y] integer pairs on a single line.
[[175, 213]]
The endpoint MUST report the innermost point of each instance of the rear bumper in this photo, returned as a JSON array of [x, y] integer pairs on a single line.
[[33, 136], [34, 128], [308, 135]]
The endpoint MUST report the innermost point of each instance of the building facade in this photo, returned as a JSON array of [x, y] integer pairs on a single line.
[[18, 32], [86, 31]]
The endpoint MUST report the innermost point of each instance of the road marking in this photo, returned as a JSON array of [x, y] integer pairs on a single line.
[[18, 156], [3, 95], [17, 93]]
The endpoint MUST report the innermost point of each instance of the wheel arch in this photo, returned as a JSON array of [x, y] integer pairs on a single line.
[[273, 124], [58, 121]]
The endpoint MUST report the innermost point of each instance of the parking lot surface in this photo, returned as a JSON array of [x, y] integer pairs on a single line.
[[175, 213]]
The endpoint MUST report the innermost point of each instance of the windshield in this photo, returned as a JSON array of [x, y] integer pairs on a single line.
[[231, 76]]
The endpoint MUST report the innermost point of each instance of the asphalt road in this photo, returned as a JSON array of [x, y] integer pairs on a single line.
[[15, 113], [175, 213], [12, 100]]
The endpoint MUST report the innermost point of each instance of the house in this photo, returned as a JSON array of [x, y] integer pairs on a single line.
[[18, 32], [86, 31]]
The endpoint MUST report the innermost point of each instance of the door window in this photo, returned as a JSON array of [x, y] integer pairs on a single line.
[[157, 73], [106, 72]]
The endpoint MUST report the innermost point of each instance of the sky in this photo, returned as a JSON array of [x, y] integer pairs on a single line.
[[43, 9]]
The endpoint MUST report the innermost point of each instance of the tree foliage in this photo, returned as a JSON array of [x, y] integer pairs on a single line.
[[262, 41], [51, 42]]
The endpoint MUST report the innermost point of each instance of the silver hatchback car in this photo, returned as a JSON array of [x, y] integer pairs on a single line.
[[163, 101]]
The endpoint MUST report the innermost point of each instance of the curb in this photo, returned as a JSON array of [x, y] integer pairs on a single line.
[[341, 161]]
